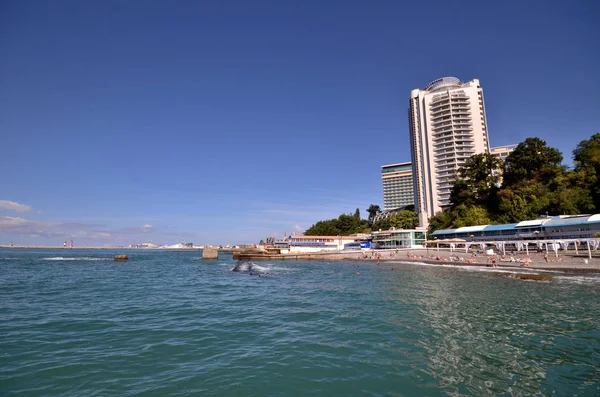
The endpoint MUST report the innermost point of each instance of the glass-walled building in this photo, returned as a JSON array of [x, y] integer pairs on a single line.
[[397, 182], [398, 238]]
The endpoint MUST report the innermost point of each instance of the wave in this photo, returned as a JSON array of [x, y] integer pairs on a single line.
[[482, 268], [578, 279], [250, 267], [83, 258], [261, 269]]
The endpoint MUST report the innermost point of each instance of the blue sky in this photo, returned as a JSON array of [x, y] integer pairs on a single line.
[[228, 121]]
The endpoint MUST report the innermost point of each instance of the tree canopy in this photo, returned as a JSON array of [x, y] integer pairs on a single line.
[[531, 182], [531, 159], [347, 224], [586, 157], [343, 225], [373, 210]]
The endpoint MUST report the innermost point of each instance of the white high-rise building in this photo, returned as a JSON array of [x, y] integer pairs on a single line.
[[448, 125]]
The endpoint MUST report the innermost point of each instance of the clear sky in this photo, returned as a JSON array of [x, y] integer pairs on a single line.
[[223, 122]]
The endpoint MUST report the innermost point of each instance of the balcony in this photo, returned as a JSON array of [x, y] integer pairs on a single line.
[[437, 117], [436, 105], [452, 168], [442, 123], [461, 123]]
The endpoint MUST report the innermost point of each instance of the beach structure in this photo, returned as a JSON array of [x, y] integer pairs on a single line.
[[447, 125], [397, 181], [305, 244], [559, 227], [398, 238]]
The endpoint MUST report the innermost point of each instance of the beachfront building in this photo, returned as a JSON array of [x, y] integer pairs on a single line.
[[306, 244], [447, 124], [398, 238], [559, 227], [502, 152], [397, 180]]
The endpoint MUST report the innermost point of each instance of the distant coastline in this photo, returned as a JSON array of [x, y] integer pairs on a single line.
[[157, 248], [99, 248]]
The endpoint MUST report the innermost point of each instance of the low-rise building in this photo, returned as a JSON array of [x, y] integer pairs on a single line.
[[302, 244], [398, 238], [543, 228]]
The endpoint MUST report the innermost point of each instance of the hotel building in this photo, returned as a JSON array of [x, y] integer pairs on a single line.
[[397, 182], [502, 152], [447, 124]]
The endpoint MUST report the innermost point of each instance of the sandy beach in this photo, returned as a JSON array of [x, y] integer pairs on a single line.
[[567, 262]]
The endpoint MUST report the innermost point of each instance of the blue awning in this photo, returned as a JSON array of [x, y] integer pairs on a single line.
[[441, 232], [497, 228]]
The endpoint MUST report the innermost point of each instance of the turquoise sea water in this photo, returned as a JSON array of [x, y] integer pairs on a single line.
[[75, 323]]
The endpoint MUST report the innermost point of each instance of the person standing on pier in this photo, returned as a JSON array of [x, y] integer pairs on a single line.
[[65, 244], [71, 243]]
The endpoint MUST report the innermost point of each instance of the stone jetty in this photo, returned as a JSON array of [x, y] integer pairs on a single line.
[[210, 253]]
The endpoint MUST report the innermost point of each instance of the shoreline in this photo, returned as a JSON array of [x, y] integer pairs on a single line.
[[565, 262], [536, 261]]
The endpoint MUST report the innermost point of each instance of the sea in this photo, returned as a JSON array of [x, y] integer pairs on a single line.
[[76, 323]]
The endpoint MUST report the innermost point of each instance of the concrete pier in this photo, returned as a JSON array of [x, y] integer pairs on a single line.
[[210, 253]]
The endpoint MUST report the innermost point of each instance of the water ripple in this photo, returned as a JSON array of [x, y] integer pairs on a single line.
[[168, 323]]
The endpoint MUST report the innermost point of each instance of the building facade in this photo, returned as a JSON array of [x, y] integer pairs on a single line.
[[397, 180], [447, 124], [543, 228], [398, 238], [306, 244], [502, 152]]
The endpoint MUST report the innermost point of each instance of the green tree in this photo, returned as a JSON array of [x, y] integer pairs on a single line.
[[472, 215], [404, 220], [586, 157], [357, 214], [261, 242], [531, 159], [344, 225], [382, 224], [373, 210], [441, 220], [477, 180], [513, 207], [323, 228], [571, 194]]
